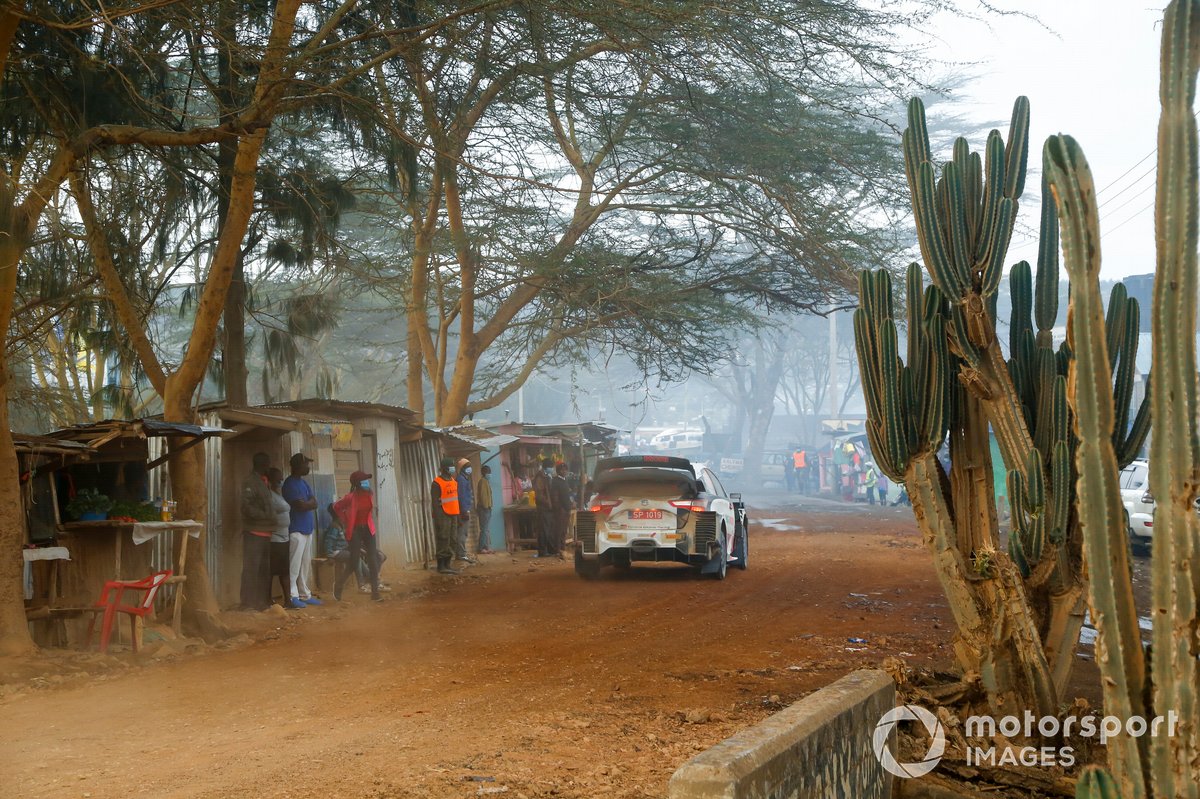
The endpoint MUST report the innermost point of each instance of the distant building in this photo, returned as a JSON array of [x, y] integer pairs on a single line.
[[1141, 288]]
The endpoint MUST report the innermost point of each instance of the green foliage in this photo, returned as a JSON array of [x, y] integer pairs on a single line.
[[138, 511], [88, 500]]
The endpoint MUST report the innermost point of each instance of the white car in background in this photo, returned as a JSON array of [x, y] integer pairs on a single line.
[[1138, 501], [659, 509]]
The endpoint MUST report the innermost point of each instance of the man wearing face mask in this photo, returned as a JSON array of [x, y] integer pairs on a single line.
[[356, 512], [466, 503], [444, 496]]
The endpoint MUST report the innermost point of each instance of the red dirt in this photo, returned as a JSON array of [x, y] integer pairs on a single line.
[[516, 676]]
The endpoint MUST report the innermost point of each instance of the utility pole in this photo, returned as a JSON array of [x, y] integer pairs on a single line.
[[834, 405]]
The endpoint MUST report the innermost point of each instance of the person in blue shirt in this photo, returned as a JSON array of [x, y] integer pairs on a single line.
[[303, 501], [466, 497]]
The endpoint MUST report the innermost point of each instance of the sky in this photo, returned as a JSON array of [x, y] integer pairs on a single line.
[[1093, 75]]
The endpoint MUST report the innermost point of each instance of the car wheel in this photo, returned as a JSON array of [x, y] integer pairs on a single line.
[[722, 560], [587, 569]]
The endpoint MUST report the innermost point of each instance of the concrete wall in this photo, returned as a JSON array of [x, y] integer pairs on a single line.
[[818, 748]]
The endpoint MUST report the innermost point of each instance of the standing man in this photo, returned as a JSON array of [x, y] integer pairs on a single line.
[[258, 521], [800, 467], [789, 472], [870, 480], [303, 501], [466, 501], [356, 511], [280, 543], [560, 492], [483, 508], [544, 499], [445, 515]]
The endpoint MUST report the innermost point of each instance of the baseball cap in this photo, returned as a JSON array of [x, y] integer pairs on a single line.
[[359, 476], [299, 459], [463, 462]]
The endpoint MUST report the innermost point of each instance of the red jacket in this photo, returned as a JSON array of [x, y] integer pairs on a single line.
[[352, 508]]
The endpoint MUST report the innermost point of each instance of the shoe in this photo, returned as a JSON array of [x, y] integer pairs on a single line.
[[444, 567], [377, 598], [468, 559], [312, 600], [385, 588], [364, 589], [294, 606]]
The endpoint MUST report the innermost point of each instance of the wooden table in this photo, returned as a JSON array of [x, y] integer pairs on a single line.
[[139, 533], [517, 517]]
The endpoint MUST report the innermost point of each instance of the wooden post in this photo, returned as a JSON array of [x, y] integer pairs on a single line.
[[177, 617]]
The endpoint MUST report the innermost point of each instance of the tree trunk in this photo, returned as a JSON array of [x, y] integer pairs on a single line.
[[453, 408], [189, 490], [998, 644], [14, 631], [234, 355]]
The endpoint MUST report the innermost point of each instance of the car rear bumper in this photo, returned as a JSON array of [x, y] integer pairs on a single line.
[[642, 552], [1142, 524]]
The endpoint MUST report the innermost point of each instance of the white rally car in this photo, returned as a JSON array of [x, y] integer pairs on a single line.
[[659, 509]]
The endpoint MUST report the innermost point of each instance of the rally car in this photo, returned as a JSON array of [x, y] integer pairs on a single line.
[[659, 509]]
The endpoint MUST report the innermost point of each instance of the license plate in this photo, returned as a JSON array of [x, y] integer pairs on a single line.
[[645, 514]]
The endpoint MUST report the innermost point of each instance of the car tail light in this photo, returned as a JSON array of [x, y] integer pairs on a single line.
[[603, 505], [689, 504], [1148, 498]]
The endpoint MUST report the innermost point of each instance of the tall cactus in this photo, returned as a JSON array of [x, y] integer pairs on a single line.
[[1163, 765], [1019, 612]]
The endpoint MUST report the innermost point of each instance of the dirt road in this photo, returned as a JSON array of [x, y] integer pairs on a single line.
[[516, 680]]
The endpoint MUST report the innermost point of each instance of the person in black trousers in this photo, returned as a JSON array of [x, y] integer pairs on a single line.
[[560, 492], [356, 512]]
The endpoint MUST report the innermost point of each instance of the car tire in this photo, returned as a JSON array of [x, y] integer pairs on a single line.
[[587, 569], [722, 560]]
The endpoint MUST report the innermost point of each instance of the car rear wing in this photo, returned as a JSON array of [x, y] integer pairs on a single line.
[[636, 461]]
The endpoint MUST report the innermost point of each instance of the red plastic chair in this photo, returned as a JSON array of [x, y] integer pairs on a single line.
[[110, 603]]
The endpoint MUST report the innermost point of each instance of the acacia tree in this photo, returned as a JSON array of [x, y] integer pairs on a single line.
[[37, 160], [576, 178]]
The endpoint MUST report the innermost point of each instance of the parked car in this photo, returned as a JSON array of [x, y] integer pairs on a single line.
[[660, 509], [1138, 501]]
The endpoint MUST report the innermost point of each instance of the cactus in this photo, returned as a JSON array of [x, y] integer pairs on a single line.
[[1163, 765], [1018, 612], [1096, 784]]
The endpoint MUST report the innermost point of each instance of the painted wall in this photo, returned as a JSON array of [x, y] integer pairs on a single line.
[[387, 493]]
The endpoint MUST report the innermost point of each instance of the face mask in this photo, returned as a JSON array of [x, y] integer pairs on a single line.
[[467, 470], [365, 484], [450, 470]]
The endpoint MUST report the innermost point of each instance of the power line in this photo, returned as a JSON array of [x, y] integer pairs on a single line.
[[1148, 187], [1131, 218], [1149, 171], [1126, 172]]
